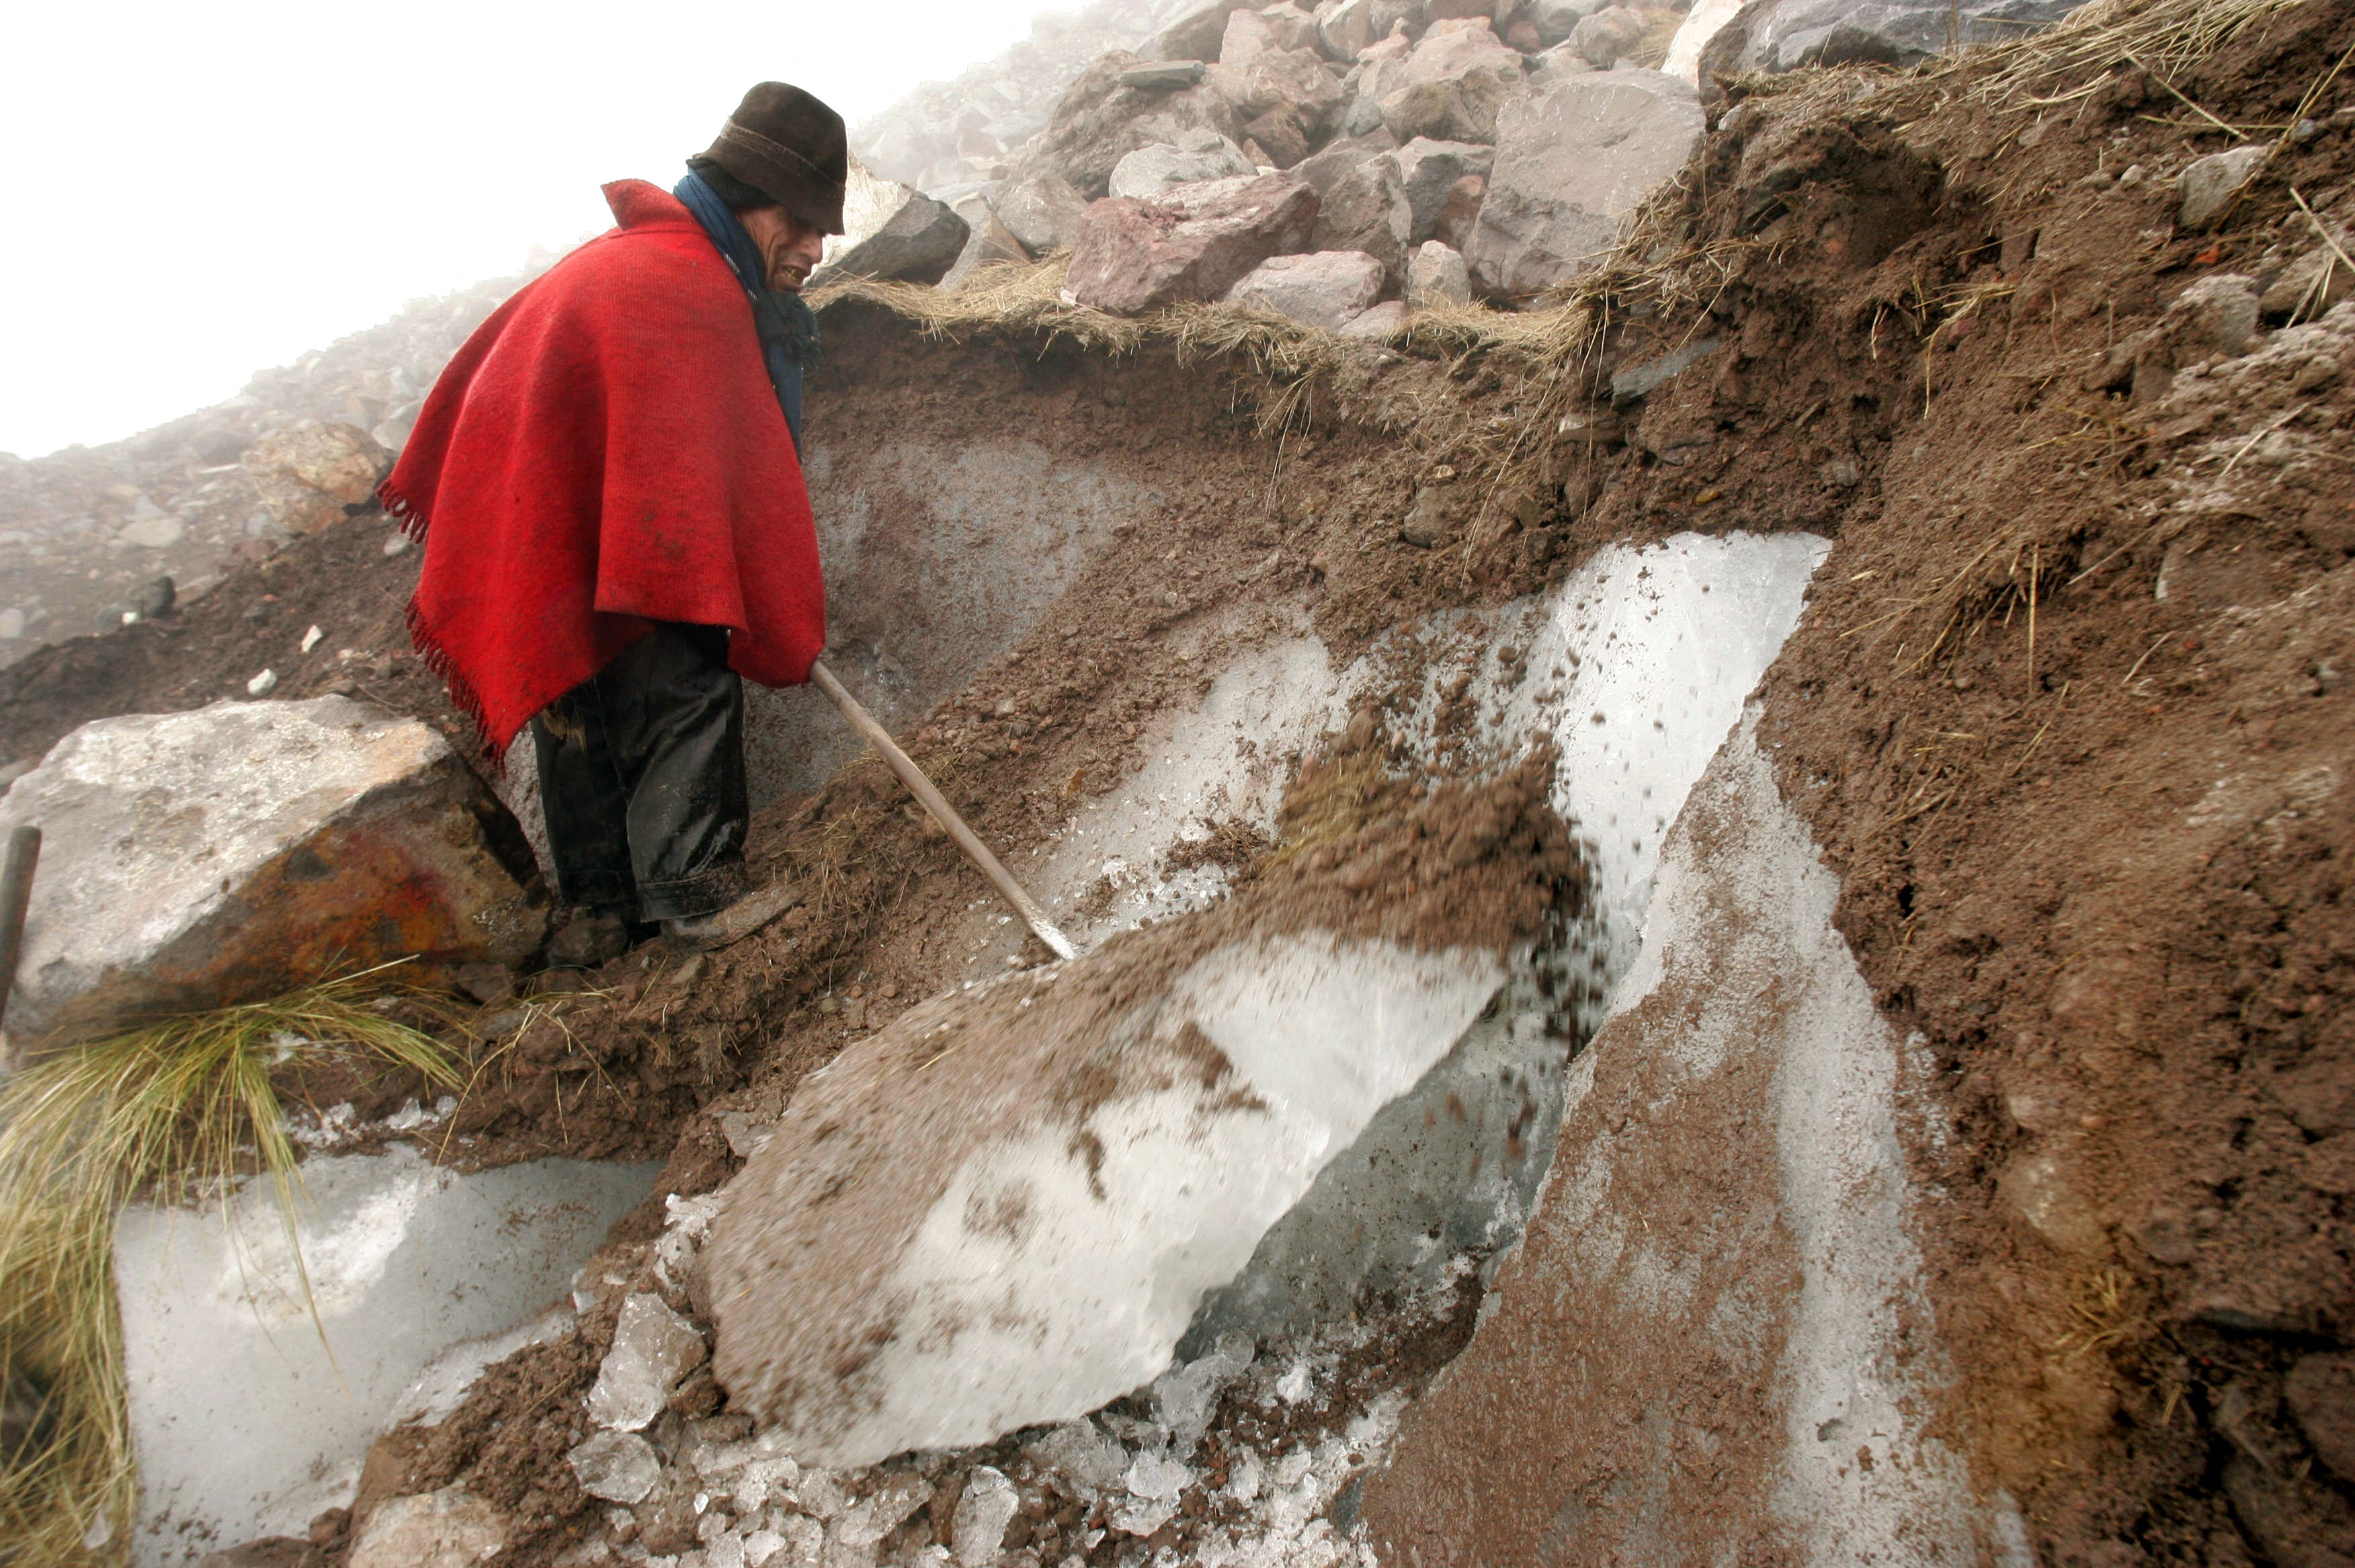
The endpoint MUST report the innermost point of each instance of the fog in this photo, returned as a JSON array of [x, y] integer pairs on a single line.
[[195, 192]]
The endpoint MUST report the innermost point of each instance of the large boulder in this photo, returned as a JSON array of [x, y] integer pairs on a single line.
[[1099, 121], [1288, 99], [1428, 171], [1326, 289], [1200, 155], [1194, 244], [1345, 27], [1195, 35], [1784, 34], [196, 860], [990, 242], [891, 232], [1452, 86], [316, 475], [1043, 212], [1323, 170], [1602, 39], [1572, 162], [1555, 20], [1368, 211]]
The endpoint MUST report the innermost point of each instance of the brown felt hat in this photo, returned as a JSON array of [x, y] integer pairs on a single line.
[[787, 145]]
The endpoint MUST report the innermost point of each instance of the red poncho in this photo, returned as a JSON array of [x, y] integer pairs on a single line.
[[606, 452]]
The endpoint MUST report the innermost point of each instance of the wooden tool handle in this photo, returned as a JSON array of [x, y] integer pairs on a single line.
[[942, 811]]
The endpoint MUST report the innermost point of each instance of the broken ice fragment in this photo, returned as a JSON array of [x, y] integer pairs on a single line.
[[1136, 1516], [1080, 1452], [1154, 1477], [619, 1467], [654, 1348], [1184, 1398], [988, 1506]]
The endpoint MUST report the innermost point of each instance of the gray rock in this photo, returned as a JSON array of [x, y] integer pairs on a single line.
[[1195, 35], [1368, 211], [1784, 35], [1345, 27], [1162, 76], [449, 1529], [152, 598], [618, 1467], [1556, 19], [1042, 211], [151, 526], [989, 242], [988, 1506], [654, 1348], [2210, 185], [1641, 380], [1323, 170], [1195, 243], [1573, 162], [1436, 276], [229, 853], [1147, 172], [891, 233], [2216, 314], [317, 474], [2310, 286], [1098, 123], [1378, 323], [1452, 86], [1324, 289], [1601, 39], [1428, 171]]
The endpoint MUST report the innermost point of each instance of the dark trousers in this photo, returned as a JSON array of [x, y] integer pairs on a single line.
[[642, 778]]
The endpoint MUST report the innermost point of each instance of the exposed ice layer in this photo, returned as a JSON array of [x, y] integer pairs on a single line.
[[244, 1425], [1664, 643], [1454, 1164], [1636, 666], [1227, 760], [1004, 1326]]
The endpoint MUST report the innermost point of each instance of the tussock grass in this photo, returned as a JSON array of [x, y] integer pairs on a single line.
[[2163, 36], [165, 1112]]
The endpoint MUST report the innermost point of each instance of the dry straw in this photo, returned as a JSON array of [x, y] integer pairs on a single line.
[[172, 1110]]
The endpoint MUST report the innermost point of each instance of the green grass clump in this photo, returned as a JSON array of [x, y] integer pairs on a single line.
[[168, 1110]]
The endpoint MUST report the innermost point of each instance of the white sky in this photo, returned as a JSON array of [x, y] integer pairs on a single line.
[[198, 190]]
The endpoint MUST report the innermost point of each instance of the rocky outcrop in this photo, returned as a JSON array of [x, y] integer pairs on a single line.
[[1200, 155], [1099, 121], [1325, 289], [1368, 211], [1573, 164], [1194, 244], [314, 475], [1784, 34], [891, 232], [1452, 86], [230, 853]]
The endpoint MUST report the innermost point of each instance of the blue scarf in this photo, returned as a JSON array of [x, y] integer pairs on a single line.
[[787, 327]]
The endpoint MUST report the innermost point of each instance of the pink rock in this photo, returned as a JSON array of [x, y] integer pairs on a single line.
[[1326, 289], [1194, 244]]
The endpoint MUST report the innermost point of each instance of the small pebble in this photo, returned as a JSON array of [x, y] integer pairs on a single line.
[[262, 685], [311, 638], [396, 543]]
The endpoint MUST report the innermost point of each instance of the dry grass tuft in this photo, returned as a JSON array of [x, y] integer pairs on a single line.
[[165, 1112], [2104, 1314], [1333, 799], [2161, 35]]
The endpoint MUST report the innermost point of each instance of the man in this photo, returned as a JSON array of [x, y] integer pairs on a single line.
[[608, 484]]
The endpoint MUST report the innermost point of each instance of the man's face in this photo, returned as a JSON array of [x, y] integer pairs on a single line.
[[790, 247]]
